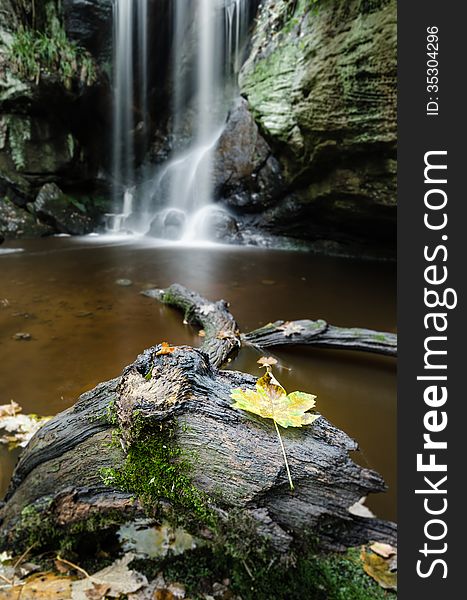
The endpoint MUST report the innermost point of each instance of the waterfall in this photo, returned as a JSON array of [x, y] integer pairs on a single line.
[[130, 48], [123, 149], [208, 42], [208, 39]]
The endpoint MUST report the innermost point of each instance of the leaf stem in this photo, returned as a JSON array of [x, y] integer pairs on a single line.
[[285, 455]]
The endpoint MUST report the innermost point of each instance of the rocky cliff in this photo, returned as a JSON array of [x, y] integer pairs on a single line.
[[51, 126], [320, 82]]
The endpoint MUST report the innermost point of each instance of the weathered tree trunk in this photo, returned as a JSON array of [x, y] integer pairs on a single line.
[[236, 464], [223, 337], [319, 333]]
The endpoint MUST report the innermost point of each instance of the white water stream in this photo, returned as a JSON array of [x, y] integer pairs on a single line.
[[207, 51]]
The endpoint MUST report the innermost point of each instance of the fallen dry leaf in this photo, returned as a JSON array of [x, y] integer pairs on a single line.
[[118, 578], [44, 586], [271, 401], [98, 592], [384, 550], [10, 410], [165, 349], [291, 328], [267, 361], [379, 569], [20, 428], [225, 335]]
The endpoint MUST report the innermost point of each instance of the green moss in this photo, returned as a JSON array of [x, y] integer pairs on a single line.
[[314, 576], [33, 53], [37, 527], [157, 472], [379, 337]]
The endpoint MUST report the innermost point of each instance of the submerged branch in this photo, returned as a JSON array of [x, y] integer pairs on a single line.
[[319, 333], [223, 337]]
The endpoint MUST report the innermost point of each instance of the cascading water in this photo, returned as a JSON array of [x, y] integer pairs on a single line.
[[130, 42], [208, 40]]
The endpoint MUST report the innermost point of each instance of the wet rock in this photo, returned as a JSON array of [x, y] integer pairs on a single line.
[[33, 150], [16, 222], [55, 209], [168, 224], [89, 23], [52, 128], [322, 87], [220, 226], [246, 176], [22, 337], [123, 282]]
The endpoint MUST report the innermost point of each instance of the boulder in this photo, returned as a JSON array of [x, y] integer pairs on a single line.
[[55, 209], [168, 224], [17, 222], [218, 225], [246, 175]]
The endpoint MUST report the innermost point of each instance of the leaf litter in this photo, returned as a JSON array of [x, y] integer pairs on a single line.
[[17, 428]]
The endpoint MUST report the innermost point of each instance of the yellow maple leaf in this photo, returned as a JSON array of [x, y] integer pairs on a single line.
[[271, 401]]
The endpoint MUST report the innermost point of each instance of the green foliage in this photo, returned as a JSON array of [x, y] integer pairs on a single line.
[[19, 132], [314, 576], [156, 471], [33, 52]]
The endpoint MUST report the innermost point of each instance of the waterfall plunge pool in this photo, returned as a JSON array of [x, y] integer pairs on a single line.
[[85, 327]]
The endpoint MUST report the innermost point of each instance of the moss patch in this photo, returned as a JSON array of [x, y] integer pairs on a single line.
[[315, 577], [37, 527], [157, 472]]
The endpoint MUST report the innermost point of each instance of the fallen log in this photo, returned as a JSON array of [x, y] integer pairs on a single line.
[[320, 333], [163, 441], [223, 337]]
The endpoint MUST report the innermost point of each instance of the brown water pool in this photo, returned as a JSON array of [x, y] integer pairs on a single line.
[[85, 327]]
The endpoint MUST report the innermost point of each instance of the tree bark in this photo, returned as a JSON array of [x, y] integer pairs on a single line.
[[223, 337], [319, 333], [238, 468]]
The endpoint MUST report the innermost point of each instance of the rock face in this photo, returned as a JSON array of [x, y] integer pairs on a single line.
[[247, 176], [51, 127], [89, 22], [321, 84]]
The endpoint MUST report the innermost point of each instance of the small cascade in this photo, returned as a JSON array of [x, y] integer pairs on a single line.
[[114, 222], [130, 100]]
